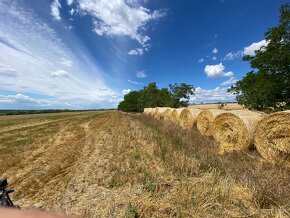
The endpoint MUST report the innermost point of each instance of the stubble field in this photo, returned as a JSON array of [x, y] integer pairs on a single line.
[[113, 164]]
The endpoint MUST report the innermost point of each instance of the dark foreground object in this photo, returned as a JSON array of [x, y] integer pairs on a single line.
[[5, 200]]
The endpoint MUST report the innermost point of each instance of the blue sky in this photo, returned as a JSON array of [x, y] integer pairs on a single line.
[[84, 54]]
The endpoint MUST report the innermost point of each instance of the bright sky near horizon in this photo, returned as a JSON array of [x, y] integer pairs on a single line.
[[86, 54]]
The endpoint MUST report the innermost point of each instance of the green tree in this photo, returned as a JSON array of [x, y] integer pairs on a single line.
[[151, 96], [269, 81], [181, 94]]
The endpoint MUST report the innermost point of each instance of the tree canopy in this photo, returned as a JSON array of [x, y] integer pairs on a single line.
[[268, 84], [150, 96]]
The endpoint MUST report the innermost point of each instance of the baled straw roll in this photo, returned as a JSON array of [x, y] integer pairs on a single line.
[[205, 119], [175, 115], [146, 111], [234, 130], [160, 111], [188, 117], [272, 137], [167, 114]]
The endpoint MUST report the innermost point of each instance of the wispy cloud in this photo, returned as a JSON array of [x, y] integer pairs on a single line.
[[231, 80], [141, 74], [45, 65], [135, 82], [215, 51], [201, 60], [233, 55], [117, 18]]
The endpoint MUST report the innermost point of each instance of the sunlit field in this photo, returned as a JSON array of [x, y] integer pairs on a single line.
[[114, 164]]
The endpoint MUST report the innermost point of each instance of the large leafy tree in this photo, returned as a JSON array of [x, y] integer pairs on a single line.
[[269, 82], [150, 96]]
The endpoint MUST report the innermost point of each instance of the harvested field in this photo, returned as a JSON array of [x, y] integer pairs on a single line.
[[227, 106], [112, 164]]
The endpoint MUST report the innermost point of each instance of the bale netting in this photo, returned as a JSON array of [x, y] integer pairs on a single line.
[[175, 115], [204, 122], [160, 112], [233, 131], [272, 137], [167, 114], [188, 117]]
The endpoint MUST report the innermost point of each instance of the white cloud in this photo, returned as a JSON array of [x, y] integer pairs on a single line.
[[135, 82], [69, 2], [230, 81], [211, 95], [250, 50], [18, 98], [215, 51], [214, 58], [7, 71], [59, 74], [55, 9], [141, 74], [137, 51], [126, 91], [34, 56], [119, 18], [233, 55], [214, 71], [201, 60]]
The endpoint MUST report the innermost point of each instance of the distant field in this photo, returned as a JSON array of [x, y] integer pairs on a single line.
[[227, 106], [113, 164]]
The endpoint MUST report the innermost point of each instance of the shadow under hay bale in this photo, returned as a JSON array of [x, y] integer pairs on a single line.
[[272, 137], [233, 131]]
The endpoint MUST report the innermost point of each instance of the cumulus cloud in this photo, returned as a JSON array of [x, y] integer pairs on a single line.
[[55, 9], [230, 81], [233, 55], [250, 50], [211, 95], [215, 51], [201, 60], [137, 51], [141, 74], [134, 82], [69, 2], [214, 71], [18, 98], [126, 91]]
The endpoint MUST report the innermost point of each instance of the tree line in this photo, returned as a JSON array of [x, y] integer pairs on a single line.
[[177, 95]]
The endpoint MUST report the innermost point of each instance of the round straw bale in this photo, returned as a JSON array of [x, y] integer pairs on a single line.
[[204, 122], [188, 117], [160, 111], [146, 111], [234, 130], [272, 137], [175, 115], [167, 114]]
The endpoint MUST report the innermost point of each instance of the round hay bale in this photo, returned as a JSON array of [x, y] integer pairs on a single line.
[[204, 122], [146, 111], [167, 114], [160, 111], [272, 137], [188, 117], [175, 115], [234, 130]]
